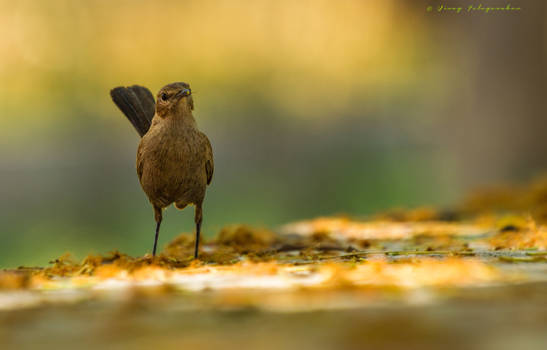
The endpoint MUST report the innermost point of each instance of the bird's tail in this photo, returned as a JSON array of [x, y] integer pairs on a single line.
[[137, 104]]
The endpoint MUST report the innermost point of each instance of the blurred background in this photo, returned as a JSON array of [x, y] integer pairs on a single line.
[[313, 108]]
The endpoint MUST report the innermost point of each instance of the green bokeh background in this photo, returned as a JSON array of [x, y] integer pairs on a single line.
[[312, 107]]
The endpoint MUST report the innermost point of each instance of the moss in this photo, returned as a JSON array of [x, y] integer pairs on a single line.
[[244, 239], [521, 200], [13, 279]]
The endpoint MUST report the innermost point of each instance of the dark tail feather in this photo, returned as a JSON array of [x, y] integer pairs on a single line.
[[137, 103], [147, 100]]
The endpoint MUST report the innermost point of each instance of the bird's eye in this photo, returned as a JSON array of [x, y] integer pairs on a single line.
[[164, 96]]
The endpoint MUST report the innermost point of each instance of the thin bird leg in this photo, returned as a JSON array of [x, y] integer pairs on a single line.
[[197, 219], [156, 238], [198, 228], [158, 217]]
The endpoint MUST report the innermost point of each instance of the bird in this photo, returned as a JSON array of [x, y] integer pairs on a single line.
[[174, 158]]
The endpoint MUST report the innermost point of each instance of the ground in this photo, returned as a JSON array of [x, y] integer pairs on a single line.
[[471, 277]]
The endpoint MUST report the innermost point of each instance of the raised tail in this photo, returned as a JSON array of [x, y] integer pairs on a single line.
[[137, 104]]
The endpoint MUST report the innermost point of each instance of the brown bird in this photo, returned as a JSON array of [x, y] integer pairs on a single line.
[[174, 159]]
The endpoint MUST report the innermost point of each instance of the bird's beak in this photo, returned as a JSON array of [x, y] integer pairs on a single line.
[[182, 93]]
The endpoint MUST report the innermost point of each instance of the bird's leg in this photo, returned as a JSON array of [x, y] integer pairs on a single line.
[[197, 219], [158, 217]]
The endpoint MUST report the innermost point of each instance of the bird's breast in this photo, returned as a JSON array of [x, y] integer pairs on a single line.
[[171, 167]]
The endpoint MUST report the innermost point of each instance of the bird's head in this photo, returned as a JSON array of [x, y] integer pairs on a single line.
[[174, 98]]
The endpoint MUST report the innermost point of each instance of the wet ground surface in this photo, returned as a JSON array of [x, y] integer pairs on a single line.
[[508, 317]]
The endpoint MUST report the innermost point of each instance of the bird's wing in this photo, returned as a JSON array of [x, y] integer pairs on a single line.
[[140, 161], [137, 104], [209, 163]]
